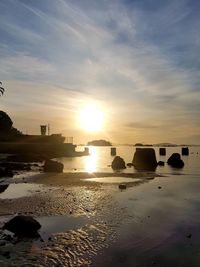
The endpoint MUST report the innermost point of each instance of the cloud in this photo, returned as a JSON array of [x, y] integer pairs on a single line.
[[25, 67], [140, 125], [134, 56]]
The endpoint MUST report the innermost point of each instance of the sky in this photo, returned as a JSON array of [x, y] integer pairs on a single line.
[[137, 60]]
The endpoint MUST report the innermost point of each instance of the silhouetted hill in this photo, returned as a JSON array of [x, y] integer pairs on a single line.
[[100, 142]]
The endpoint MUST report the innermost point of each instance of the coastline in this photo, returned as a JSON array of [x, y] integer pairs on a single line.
[[78, 178]]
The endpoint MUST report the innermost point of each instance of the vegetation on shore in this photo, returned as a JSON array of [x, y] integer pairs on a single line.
[[100, 142]]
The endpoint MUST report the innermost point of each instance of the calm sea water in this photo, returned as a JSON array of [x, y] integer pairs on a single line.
[[100, 159]]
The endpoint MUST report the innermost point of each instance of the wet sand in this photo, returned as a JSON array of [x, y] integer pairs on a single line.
[[85, 223]]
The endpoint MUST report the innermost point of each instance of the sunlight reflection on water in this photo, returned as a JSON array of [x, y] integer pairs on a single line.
[[91, 160], [100, 160]]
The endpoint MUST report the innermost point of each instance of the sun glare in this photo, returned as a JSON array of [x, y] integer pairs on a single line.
[[91, 119]]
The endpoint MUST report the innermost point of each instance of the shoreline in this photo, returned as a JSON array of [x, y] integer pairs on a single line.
[[83, 220], [77, 178]]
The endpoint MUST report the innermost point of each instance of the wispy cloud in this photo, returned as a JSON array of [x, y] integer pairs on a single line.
[[137, 56]]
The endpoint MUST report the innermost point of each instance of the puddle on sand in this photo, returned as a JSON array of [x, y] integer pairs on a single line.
[[20, 190], [56, 224], [113, 180]]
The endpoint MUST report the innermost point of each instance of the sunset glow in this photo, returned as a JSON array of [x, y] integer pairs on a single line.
[[91, 119]]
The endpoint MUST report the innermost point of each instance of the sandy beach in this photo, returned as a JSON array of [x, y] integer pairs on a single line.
[[90, 223], [65, 199]]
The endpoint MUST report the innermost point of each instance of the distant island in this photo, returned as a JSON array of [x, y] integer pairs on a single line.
[[160, 144], [100, 142], [140, 144]]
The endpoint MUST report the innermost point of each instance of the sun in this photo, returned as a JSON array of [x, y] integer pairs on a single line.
[[91, 118]]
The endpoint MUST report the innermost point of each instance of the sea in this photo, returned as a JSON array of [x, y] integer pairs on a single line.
[[100, 159]]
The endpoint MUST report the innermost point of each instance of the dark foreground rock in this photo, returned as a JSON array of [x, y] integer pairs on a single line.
[[122, 186], [53, 166], [175, 161], [26, 158], [145, 159], [23, 226], [3, 187], [6, 172], [118, 163], [19, 166]]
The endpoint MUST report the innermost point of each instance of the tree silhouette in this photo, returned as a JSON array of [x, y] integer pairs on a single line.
[[5, 122], [1, 89]]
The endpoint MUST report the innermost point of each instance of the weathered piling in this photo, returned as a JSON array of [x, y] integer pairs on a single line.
[[185, 151], [86, 150], [113, 151], [162, 151]]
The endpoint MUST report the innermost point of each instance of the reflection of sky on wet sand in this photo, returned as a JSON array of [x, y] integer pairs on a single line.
[[113, 180], [20, 190], [161, 225]]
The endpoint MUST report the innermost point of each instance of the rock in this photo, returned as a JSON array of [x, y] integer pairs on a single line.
[[118, 163], [6, 254], [15, 166], [26, 158], [3, 187], [122, 186], [23, 226], [6, 172], [161, 163], [2, 243], [175, 161], [189, 236], [53, 166], [145, 159]]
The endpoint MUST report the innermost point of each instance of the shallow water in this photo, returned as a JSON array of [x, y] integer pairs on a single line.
[[20, 190], [100, 160], [113, 180], [56, 224], [153, 224], [161, 226]]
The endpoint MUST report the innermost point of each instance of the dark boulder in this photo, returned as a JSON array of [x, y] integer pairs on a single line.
[[118, 163], [23, 226], [122, 186], [3, 187], [53, 166], [175, 161], [6, 172], [26, 158], [15, 165], [145, 159]]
